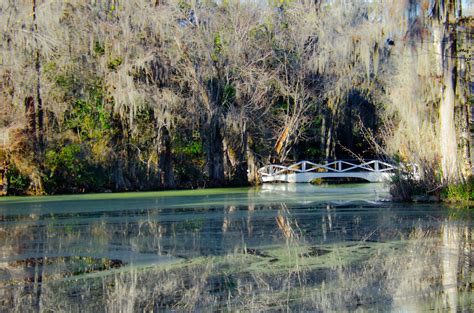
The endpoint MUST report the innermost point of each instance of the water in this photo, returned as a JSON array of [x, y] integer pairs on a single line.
[[273, 248]]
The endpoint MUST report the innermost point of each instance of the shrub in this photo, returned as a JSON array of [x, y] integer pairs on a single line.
[[68, 170], [461, 192], [18, 183], [420, 181], [404, 187]]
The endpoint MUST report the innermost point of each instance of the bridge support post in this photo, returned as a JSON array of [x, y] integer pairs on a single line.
[[339, 166], [303, 166], [376, 165]]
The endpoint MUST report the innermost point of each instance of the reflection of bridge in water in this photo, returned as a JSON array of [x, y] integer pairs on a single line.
[[316, 195], [306, 171]]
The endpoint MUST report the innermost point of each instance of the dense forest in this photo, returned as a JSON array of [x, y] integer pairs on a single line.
[[113, 95]]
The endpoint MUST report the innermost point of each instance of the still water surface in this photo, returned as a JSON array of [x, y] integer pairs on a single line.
[[272, 248]]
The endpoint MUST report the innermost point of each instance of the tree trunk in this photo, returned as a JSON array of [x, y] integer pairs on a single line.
[[30, 113], [118, 142], [120, 184], [214, 151], [235, 149], [229, 161], [331, 137], [447, 134], [463, 117], [240, 175], [350, 133], [4, 179], [36, 185], [165, 163], [252, 175], [39, 101], [322, 146]]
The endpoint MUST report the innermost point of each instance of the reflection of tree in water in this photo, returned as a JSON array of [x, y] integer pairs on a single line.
[[431, 268], [26, 237], [456, 257], [326, 223], [285, 224], [227, 219]]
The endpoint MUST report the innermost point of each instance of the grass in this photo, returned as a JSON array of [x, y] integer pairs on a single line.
[[462, 193]]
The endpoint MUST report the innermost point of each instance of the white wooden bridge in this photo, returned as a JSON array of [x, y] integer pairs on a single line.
[[306, 171]]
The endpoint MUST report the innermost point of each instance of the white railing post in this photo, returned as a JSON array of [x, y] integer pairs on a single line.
[[376, 165], [339, 166], [303, 166]]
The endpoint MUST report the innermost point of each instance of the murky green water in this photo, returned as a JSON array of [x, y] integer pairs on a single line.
[[277, 247]]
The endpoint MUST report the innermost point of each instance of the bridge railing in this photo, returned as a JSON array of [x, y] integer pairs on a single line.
[[339, 166]]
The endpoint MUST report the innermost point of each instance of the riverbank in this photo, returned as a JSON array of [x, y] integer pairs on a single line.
[[412, 190]]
